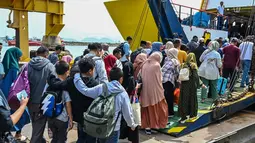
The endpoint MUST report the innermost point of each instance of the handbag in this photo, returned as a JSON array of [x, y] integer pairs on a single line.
[[136, 110], [184, 74]]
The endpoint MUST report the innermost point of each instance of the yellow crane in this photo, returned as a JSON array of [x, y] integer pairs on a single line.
[[54, 10]]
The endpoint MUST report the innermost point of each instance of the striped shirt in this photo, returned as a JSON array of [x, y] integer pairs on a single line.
[[169, 71]]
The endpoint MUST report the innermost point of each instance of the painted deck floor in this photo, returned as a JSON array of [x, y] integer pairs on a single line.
[[175, 128]]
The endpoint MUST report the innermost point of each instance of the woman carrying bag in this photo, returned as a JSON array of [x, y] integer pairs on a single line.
[[209, 69]]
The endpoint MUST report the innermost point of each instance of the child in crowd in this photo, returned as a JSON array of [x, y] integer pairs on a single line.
[[58, 125], [80, 103]]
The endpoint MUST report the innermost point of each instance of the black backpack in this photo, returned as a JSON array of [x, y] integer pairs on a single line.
[[135, 54], [75, 68], [121, 47]]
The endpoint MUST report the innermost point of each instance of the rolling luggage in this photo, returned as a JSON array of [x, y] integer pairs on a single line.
[[222, 85]]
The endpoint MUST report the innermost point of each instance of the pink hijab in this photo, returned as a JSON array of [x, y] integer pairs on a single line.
[[67, 58], [152, 91], [139, 60]]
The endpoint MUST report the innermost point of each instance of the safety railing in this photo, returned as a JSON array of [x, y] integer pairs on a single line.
[[200, 18]]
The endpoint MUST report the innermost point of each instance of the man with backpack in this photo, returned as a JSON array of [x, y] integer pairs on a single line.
[[96, 52], [138, 51], [80, 103], [61, 117], [126, 50], [111, 96], [39, 69]]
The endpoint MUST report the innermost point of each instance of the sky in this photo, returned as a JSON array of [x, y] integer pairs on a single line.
[[83, 18]]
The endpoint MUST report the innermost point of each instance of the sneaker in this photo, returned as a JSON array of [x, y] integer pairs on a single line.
[[148, 131]]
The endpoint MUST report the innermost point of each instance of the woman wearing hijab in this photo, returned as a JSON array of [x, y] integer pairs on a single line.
[[188, 105], [156, 47], [170, 72], [67, 58], [129, 82], [110, 62], [154, 111], [11, 69], [140, 59], [209, 69], [169, 45]]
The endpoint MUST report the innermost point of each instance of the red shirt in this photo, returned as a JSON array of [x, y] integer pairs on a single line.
[[231, 56]]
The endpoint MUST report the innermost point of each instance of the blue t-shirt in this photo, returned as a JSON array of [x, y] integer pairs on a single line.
[[126, 48]]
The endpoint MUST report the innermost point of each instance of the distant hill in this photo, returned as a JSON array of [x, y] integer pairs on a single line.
[[100, 40], [69, 40]]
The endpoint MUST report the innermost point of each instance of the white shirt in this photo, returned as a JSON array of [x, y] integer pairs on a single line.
[[246, 55], [221, 9]]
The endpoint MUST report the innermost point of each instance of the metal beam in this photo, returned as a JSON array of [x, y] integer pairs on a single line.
[[43, 6], [54, 10]]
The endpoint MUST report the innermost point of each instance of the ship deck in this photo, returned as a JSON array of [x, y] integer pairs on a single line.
[[207, 115]]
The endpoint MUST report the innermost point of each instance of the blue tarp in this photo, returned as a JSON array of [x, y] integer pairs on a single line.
[[201, 19]]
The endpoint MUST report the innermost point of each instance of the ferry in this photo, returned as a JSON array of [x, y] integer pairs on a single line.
[[154, 20]]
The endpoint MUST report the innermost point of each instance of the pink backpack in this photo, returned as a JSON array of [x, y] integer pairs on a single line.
[[19, 85]]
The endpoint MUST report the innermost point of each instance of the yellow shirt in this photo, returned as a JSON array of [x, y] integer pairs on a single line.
[[182, 56]]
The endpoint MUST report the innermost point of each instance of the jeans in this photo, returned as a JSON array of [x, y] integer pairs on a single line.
[[220, 23], [114, 138], [84, 137], [246, 65]]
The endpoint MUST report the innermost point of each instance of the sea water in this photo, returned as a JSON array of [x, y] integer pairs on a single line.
[[74, 50]]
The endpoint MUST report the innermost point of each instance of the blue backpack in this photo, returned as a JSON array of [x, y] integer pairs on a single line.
[[51, 103]]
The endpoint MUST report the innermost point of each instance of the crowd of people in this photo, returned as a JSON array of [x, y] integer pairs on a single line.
[[151, 74]]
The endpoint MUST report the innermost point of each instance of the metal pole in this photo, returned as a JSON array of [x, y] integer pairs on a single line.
[[159, 15]]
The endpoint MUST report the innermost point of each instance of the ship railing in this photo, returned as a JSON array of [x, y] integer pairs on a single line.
[[200, 18]]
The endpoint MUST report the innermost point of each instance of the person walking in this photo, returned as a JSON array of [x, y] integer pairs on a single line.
[[154, 111], [170, 72], [188, 104], [209, 69], [39, 69], [246, 49]]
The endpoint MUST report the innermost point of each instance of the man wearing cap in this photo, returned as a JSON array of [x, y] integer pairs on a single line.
[[231, 58], [220, 14]]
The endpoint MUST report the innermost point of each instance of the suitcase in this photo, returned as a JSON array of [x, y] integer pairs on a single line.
[[222, 85]]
